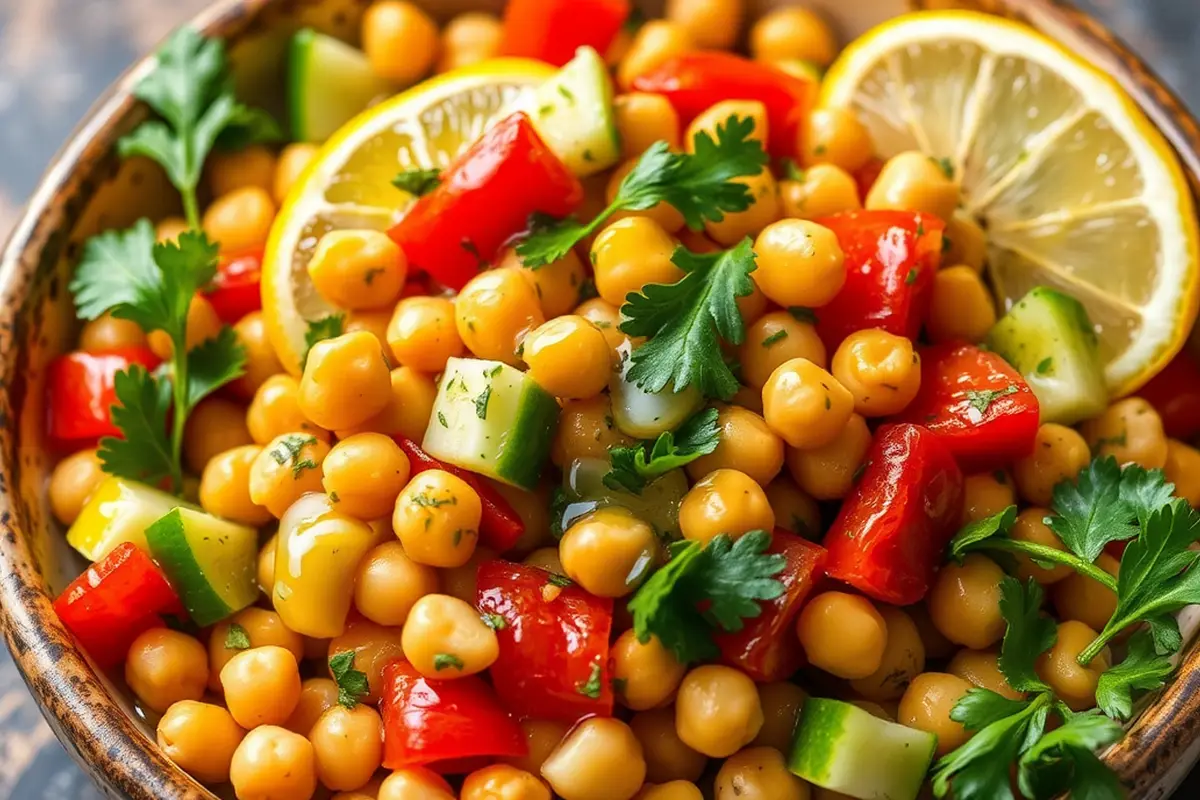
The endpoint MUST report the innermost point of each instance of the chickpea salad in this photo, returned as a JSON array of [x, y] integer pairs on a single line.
[[565, 405]]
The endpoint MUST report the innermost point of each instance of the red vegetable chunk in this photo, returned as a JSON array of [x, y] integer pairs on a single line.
[[552, 30], [427, 721], [80, 393], [235, 289], [891, 258], [888, 540], [695, 82], [554, 659], [766, 649], [976, 404], [486, 197], [1175, 394], [114, 601]]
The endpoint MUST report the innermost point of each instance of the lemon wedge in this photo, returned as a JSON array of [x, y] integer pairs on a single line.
[[1075, 187], [348, 183]]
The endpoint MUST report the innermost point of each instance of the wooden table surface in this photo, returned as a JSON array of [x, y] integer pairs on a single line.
[[56, 56]]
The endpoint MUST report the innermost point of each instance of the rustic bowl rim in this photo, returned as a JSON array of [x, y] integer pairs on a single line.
[[92, 726]]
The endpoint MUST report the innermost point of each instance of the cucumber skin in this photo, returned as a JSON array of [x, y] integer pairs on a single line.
[[817, 730], [535, 425], [169, 545]]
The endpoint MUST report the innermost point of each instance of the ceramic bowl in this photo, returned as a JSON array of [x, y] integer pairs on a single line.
[[87, 189]]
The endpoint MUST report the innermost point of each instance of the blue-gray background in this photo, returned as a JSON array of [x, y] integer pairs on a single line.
[[55, 58]]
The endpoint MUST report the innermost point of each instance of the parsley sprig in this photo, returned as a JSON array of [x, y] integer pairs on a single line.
[[701, 185], [352, 683], [634, 467]]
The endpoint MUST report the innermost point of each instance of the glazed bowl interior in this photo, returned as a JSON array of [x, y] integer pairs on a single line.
[[88, 189]]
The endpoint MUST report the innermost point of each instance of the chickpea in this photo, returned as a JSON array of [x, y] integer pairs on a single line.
[[422, 333], [568, 357], [746, 445], [586, 430], [558, 285], [533, 507], [667, 757], [415, 783], [215, 426], [202, 325], [358, 269], [169, 229], [631, 253], [469, 39], [1031, 527], [781, 703], [914, 181], [346, 381], [200, 738], [1059, 666], [409, 407], [609, 552], [965, 602], [749, 399], [72, 483], [828, 472], [936, 645], [774, 338], [348, 746], [494, 312], [275, 410], [106, 332], [655, 43], [986, 494], [375, 323], [713, 24], [649, 674], [725, 501], [272, 763], [1183, 470], [967, 242], [265, 571], [763, 211], [835, 136], [444, 638], [461, 581], [262, 685], [675, 790], [665, 215], [643, 119], [903, 659], [293, 160], [606, 318], [250, 167], [389, 583], [400, 40], [164, 667], [926, 706], [793, 33], [794, 510], [241, 219], [805, 405], [437, 519], [961, 307], [717, 710], [982, 668], [317, 695], [261, 627], [261, 361], [881, 370], [364, 474], [1078, 597], [374, 647], [225, 487], [716, 117], [759, 773], [819, 191], [503, 781], [800, 263], [600, 759], [542, 736], [287, 468], [843, 634], [1129, 430]]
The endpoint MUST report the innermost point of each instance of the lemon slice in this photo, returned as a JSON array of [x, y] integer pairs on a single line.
[[1074, 185], [348, 184]]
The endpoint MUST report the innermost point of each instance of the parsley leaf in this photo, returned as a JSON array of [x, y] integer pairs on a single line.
[[114, 270], [144, 452], [443, 661], [319, 330], [1144, 490], [594, 685], [1063, 761], [417, 181], [214, 363], [1028, 635], [686, 321], [732, 577], [979, 769], [973, 533], [495, 622], [236, 638], [1090, 511], [481, 402], [1142, 669], [701, 185], [981, 401], [632, 469], [351, 683]]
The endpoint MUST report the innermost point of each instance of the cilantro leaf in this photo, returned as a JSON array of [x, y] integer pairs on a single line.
[[236, 638], [1090, 512], [981, 401], [701, 185], [1028, 635], [144, 453], [1142, 669], [114, 269], [1144, 490], [319, 330], [351, 683], [594, 685], [417, 181], [664, 607], [740, 576], [979, 769], [1064, 760], [974, 533], [443, 661], [1164, 630], [979, 708], [632, 469], [686, 321], [214, 363]]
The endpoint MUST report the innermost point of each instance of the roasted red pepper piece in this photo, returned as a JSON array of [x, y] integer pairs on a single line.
[[114, 601], [976, 404], [767, 649], [500, 526], [235, 289], [887, 542], [1175, 394], [891, 258], [552, 30], [485, 198], [554, 652], [695, 82], [80, 393], [427, 721]]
